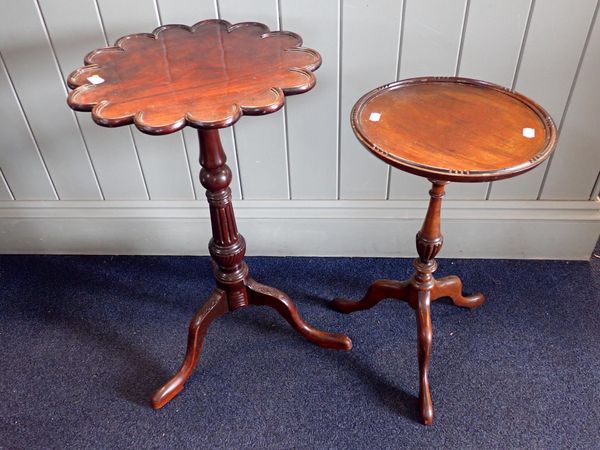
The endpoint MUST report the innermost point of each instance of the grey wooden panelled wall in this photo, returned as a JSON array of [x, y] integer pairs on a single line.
[[57, 166]]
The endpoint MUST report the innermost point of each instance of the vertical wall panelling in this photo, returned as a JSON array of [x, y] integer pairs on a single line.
[[189, 12], [5, 192], [491, 47], [260, 141], [163, 158], [398, 60], [575, 164], [596, 189], [66, 88], [370, 33], [20, 159], [430, 46], [286, 138], [186, 12], [312, 117], [338, 124], [554, 43], [112, 151], [191, 142], [493, 40], [33, 69], [432, 33], [307, 152]]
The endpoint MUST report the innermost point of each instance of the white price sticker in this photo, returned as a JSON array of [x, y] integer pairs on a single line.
[[529, 133], [95, 79], [374, 117]]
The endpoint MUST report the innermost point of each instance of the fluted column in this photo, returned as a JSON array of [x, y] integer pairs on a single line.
[[429, 238], [227, 247]]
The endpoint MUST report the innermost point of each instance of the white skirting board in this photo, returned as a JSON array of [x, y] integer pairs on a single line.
[[472, 229]]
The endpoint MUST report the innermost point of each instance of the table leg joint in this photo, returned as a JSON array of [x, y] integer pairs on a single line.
[[261, 295], [451, 286]]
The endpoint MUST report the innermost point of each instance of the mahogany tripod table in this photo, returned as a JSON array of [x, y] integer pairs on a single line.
[[205, 76], [445, 129]]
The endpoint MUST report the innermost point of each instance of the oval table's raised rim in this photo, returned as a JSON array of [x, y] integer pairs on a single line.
[[440, 173]]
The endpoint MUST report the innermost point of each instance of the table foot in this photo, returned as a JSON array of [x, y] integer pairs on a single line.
[[215, 306], [261, 295], [452, 287], [378, 291]]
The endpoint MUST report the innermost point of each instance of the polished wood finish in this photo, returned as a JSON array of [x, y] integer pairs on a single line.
[[419, 292], [454, 129], [445, 129], [235, 288], [216, 305], [205, 76]]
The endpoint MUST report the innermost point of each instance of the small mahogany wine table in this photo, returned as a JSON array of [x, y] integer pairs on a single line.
[[205, 76], [445, 129]]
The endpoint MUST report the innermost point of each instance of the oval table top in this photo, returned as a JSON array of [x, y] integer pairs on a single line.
[[454, 129], [205, 76]]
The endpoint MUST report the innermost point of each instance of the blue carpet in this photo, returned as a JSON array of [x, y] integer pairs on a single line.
[[86, 339]]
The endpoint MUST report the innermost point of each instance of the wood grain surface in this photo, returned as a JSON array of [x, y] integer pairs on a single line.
[[159, 82], [454, 129]]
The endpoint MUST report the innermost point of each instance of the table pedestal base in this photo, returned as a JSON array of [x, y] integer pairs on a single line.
[[217, 305], [419, 292], [235, 288]]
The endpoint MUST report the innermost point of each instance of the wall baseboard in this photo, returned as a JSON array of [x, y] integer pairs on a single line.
[[473, 229]]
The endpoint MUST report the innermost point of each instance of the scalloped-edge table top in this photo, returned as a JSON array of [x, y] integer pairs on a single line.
[[205, 76], [454, 129]]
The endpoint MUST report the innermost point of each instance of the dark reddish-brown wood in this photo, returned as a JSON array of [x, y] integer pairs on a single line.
[[445, 129], [454, 129], [235, 287], [205, 76]]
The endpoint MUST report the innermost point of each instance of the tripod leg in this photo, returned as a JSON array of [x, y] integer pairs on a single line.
[[379, 290], [424, 338], [215, 306], [261, 295], [452, 287]]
